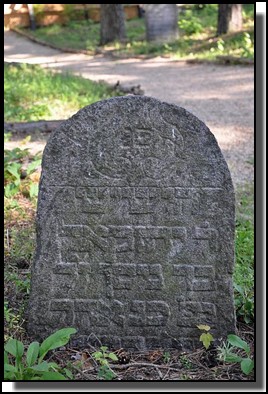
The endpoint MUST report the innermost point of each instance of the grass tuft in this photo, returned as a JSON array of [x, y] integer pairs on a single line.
[[33, 93]]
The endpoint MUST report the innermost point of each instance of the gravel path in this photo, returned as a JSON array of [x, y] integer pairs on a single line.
[[221, 96]]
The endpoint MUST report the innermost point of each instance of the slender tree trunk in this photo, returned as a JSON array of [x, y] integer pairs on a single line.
[[32, 17], [161, 22], [229, 18], [112, 23]]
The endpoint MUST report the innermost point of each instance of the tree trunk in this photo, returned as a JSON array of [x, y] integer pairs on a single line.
[[161, 22], [112, 23], [31, 16], [229, 18]]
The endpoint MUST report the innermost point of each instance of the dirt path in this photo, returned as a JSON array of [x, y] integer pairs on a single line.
[[221, 96]]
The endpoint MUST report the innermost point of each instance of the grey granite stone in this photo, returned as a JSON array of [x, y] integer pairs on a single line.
[[135, 229], [161, 22]]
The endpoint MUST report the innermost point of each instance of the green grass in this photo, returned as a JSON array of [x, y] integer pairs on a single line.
[[75, 35], [19, 247], [33, 93], [23, 244], [244, 242], [238, 45], [197, 25]]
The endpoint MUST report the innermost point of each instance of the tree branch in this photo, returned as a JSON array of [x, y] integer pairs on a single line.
[[45, 126]]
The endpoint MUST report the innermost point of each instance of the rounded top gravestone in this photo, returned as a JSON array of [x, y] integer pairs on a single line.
[[135, 228]]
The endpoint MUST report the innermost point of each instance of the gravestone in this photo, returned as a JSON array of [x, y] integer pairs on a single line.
[[161, 22], [135, 228]]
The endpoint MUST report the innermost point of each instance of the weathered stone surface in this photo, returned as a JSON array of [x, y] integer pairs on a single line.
[[135, 228]]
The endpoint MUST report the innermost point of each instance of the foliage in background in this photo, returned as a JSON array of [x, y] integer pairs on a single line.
[[39, 8], [32, 93], [197, 24], [189, 23], [30, 366]]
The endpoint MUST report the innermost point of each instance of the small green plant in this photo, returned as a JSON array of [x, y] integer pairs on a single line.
[[31, 366], [226, 353], [13, 162], [244, 302], [224, 350], [22, 285], [102, 356], [206, 338], [186, 363], [12, 170], [10, 317], [7, 312], [12, 321], [184, 377], [166, 357]]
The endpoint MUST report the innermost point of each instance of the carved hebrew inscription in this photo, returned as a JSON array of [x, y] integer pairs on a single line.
[[135, 228]]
